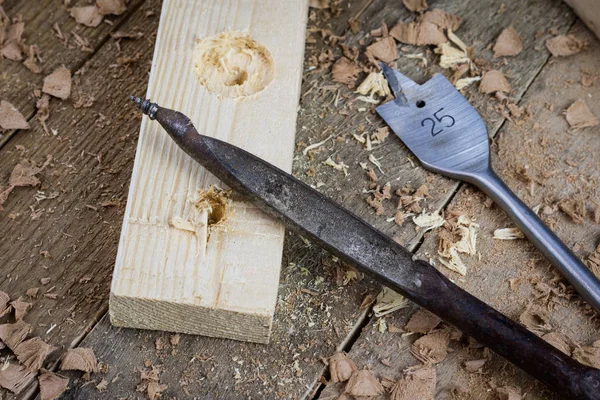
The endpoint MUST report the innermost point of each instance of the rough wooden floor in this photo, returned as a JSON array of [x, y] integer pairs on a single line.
[[72, 237]]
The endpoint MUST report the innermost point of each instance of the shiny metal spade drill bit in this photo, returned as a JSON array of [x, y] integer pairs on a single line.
[[448, 136], [359, 244]]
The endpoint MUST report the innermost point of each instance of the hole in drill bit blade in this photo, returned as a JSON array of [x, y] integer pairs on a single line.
[[420, 104], [232, 64]]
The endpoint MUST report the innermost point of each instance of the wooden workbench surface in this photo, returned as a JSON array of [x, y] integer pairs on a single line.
[[66, 229]]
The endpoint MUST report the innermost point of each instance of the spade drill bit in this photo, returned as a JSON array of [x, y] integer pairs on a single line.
[[357, 243]]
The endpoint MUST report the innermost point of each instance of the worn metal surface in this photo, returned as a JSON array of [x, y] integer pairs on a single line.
[[448, 136], [359, 244]]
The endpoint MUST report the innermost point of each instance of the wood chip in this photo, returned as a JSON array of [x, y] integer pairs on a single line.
[[494, 81], [474, 365], [364, 383], [341, 367], [52, 385], [80, 359], [508, 393], [417, 384], [15, 377], [508, 43], [564, 45], [442, 19], [12, 50], [11, 118], [574, 208], [415, 5], [384, 49], [115, 7], [32, 353], [20, 307], [88, 15], [150, 383], [345, 71], [431, 348], [418, 33], [13, 334], [422, 322], [4, 306], [536, 319], [58, 83], [579, 116]]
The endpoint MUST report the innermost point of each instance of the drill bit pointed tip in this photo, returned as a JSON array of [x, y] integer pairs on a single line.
[[145, 105]]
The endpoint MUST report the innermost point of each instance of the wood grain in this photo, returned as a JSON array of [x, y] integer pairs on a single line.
[[167, 278]]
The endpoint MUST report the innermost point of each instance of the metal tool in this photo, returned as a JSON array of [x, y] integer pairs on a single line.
[[448, 136], [359, 244]]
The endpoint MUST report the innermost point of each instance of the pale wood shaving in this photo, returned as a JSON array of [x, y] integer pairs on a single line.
[[508, 234], [388, 301]]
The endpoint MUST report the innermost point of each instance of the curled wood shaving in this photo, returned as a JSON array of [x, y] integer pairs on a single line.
[[508, 234], [374, 83], [315, 145], [32, 353], [341, 367], [418, 33], [464, 82], [422, 321], [494, 81], [417, 56], [87, 15], [442, 19], [564, 45], [452, 261], [579, 116], [429, 221], [337, 166], [11, 117], [115, 7], [13, 334], [15, 377], [52, 385], [344, 71], [508, 43], [450, 56], [388, 301], [415, 5], [384, 49], [80, 359], [363, 383]]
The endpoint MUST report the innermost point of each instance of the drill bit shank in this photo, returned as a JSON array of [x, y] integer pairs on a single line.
[[359, 244]]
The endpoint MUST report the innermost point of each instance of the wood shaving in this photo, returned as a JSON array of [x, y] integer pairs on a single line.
[[32, 353], [11, 50], [450, 56], [579, 116], [384, 49], [79, 359], [508, 393], [341, 367], [417, 56], [431, 348], [339, 167], [508, 43], [564, 45], [474, 365], [31, 62], [422, 321], [11, 117], [58, 83], [429, 221], [4, 306], [536, 319], [417, 384], [315, 145], [589, 356], [387, 302], [415, 5], [508, 234], [150, 384], [494, 81], [87, 15], [574, 208], [382, 133], [374, 84], [364, 383], [20, 307], [52, 385], [13, 334], [345, 71], [319, 4], [418, 33], [23, 174], [442, 19], [559, 341], [451, 260], [464, 82], [376, 162], [115, 7], [15, 377]]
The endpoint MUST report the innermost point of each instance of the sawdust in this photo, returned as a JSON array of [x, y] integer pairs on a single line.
[[15, 377], [13, 334], [431, 348], [363, 383], [422, 321], [216, 202], [52, 385], [417, 384], [345, 71], [32, 353], [341, 367], [115, 7], [415, 5], [58, 83], [11, 117], [233, 65], [384, 49], [87, 15], [564, 45], [508, 43], [494, 81], [79, 359], [559, 341], [579, 116], [589, 355]]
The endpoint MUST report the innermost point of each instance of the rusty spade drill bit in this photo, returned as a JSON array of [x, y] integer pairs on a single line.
[[359, 244]]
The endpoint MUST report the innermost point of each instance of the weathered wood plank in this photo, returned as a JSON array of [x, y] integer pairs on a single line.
[[17, 82], [562, 165], [92, 156]]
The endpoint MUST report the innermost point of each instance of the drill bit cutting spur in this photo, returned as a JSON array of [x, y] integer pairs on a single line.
[[448, 136]]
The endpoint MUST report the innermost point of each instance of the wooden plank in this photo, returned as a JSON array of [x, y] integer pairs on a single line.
[[92, 155], [17, 82], [274, 370], [572, 158], [589, 12], [223, 284]]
